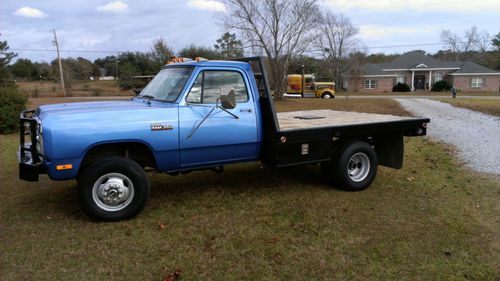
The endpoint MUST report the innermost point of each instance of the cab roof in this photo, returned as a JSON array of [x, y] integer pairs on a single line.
[[208, 63]]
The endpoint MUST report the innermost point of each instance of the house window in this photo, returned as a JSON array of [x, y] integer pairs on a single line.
[[400, 79], [477, 82], [370, 84], [438, 77]]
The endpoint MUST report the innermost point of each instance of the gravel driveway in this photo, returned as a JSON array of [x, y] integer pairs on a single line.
[[475, 134]]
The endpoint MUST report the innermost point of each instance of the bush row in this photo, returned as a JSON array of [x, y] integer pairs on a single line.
[[11, 104], [436, 87]]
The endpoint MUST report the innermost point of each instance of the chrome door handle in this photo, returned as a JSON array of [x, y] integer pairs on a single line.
[[246, 110]]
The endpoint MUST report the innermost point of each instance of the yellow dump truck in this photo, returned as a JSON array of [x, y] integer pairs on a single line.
[[306, 84]]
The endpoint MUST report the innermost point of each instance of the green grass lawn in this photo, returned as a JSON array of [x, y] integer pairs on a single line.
[[488, 106], [432, 220]]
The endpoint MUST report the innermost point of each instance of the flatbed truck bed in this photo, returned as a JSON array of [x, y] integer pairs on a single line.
[[325, 118]]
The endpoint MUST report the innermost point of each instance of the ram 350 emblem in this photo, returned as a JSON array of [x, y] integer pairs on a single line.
[[161, 127]]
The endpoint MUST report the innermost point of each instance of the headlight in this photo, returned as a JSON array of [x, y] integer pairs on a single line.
[[39, 139]]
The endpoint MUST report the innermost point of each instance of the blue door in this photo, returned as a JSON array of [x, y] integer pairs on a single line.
[[220, 138]]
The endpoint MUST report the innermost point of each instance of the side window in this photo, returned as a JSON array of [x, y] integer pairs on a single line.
[[209, 85], [194, 95]]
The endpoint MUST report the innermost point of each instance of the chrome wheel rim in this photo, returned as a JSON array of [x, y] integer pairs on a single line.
[[327, 96], [113, 192], [358, 167]]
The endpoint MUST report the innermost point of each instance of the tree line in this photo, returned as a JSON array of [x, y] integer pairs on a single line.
[[292, 34], [123, 65]]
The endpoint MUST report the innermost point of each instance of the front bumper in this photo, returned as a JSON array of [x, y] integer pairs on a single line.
[[30, 159]]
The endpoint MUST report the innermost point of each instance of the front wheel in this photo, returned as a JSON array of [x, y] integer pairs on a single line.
[[327, 96], [112, 189], [353, 166]]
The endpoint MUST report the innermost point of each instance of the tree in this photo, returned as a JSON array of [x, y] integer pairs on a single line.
[[278, 28], [228, 46], [24, 68], [337, 38], [192, 51], [83, 68], [127, 71], [495, 41], [109, 64], [463, 47], [5, 59], [43, 71], [160, 53]]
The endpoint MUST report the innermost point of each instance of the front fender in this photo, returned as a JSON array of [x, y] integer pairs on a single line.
[[68, 137]]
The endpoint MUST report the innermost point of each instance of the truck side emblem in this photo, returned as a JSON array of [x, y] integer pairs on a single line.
[[161, 127]]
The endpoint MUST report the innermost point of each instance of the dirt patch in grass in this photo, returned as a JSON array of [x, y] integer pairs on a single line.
[[432, 220], [488, 106]]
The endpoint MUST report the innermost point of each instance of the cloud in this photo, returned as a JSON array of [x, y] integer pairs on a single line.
[[379, 31], [113, 7], [209, 5], [30, 12], [421, 5]]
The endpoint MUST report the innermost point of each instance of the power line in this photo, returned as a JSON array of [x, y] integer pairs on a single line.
[[72, 51], [115, 52]]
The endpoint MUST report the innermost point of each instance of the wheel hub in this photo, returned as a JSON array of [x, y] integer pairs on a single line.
[[113, 192], [358, 167]]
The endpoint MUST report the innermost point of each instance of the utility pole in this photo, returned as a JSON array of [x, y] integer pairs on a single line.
[[59, 60], [116, 67]]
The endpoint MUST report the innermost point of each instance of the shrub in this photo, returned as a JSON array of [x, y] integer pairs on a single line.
[[11, 104], [440, 86], [401, 87]]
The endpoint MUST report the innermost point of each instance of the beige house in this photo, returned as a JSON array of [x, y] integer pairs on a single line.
[[420, 72]]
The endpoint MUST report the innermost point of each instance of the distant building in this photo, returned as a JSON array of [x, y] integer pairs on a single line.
[[420, 72], [107, 78]]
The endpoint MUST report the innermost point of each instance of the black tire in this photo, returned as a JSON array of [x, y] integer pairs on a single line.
[[327, 95], [356, 155], [122, 178]]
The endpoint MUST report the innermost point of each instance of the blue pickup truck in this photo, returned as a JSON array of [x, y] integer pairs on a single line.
[[199, 115]]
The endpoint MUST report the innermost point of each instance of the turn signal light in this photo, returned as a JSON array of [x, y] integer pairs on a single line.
[[64, 167]]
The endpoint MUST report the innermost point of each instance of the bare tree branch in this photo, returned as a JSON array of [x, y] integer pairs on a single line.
[[473, 40], [337, 38], [279, 28]]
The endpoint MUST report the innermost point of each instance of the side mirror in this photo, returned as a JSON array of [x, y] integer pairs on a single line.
[[228, 101], [137, 91]]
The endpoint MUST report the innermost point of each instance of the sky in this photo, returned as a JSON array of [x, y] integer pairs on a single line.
[[104, 27]]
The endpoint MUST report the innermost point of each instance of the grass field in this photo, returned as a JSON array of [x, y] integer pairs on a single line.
[[487, 106], [432, 220], [87, 88]]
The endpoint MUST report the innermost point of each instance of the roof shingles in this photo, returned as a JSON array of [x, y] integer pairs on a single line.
[[413, 59]]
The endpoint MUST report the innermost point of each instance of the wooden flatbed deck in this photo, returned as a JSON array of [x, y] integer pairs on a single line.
[[309, 119]]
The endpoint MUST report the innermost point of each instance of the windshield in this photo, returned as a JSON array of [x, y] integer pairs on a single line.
[[167, 84]]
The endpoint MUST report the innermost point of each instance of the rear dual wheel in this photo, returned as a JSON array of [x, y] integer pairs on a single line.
[[353, 166]]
